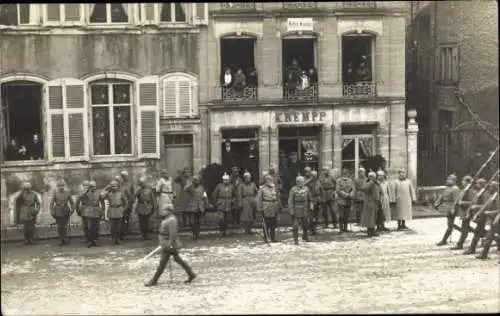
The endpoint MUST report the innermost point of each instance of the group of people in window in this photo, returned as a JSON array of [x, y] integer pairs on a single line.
[[234, 82], [31, 151], [358, 70], [300, 80]]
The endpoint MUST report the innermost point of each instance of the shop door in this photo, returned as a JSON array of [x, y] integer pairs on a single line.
[[240, 149], [178, 155]]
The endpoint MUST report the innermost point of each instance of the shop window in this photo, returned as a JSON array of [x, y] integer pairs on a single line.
[[239, 78], [109, 13], [240, 148], [358, 143], [358, 64], [111, 105], [15, 14], [22, 118], [300, 77], [69, 13]]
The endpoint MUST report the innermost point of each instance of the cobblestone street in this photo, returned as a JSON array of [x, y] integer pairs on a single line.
[[398, 272]]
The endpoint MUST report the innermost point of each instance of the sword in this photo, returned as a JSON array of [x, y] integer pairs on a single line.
[[151, 253], [170, 269], [266, 235]]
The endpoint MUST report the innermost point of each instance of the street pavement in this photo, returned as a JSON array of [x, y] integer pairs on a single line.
[[398, 272]]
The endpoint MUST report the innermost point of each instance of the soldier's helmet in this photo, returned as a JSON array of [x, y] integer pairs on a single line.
[[361, 169], [60, 183], [314, 173], [124, 173], [372, 174], [481, 181], [27, 185], [467, 178], [86, 183], [300, 179], [117, 178], [92, 184], [452, 177], [142, 180], [164, 173], [307, 169], [114, 184], [494, 185], [247, 175], [196, 178], [226, 177], [380, 173]]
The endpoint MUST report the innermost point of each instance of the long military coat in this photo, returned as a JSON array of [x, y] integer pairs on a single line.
[[404, 196], [299, 202], [196, 198], [91, 204], [146, 202], [345, 190], [60, 204], [224, 197], [371, 203], [247, 193], [386, 196], [359, 194], [127, 188], [117, 204], [327, 189], [169, 233], [29, 205], [267, 201]]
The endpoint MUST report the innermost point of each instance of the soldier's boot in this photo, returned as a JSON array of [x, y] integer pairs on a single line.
[[446, 235], [461, 241], [403, 224], [156, 276], [486, 247], [472, 248], [273, 234], [295, 232], [334, 219], [325, 218], [375, 233], [305, 236]]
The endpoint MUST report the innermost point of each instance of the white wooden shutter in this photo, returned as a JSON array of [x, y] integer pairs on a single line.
[[200, 13], [55, 143], [148, 117], [76, 118], [170, 105], [184, 95]]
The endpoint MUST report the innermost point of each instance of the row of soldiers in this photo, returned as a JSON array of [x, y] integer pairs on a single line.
[[480, 204]]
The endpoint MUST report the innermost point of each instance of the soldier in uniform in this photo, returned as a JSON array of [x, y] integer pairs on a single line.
[[300, 205], [29, 206], [268, 206], [117, 204], [61, 207], [494, 229], [145, 206], [196, 203], [79, 207], [345, 191], [164, 191], [127, 188], [327, 192], [247, 192], [359, 195], [170, 245], [314, 189], [224, 197], [236, 182], [462, 208], [371, 203], [92, 212], [386, 196], [445, 204]]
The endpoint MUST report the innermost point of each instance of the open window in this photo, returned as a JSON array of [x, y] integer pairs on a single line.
[[358, 143], [109, 13], [16, 14], [57, 13], [239, 78], [240, 148], [22, 115], [300, 77], [358, 64]]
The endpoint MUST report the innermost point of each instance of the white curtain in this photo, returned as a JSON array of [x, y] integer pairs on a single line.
[[366, 146]]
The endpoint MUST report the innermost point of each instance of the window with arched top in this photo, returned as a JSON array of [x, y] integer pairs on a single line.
[[180, 93]]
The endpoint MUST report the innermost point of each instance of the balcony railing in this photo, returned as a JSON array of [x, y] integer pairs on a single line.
[[359, 4], [297, 94], [360, 89], [237, 6], [299, 5], [242, 94]]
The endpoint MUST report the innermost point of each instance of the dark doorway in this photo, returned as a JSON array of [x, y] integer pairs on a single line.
[[240, 148], [301, 50], [357, 58], [237, 53]]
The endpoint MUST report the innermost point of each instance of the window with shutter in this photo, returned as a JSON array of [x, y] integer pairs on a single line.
[[55, 121], [184, 97], [149, 13], [57, 14], [75, 114], [180, 95], [72, 12], [53, 12], [148, 117], [169, 98]]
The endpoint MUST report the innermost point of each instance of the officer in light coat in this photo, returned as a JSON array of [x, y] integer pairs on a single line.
[[268, 206], [300, 205], [117, 204], [61, 208], [386, 195], [405, 196], [29, 207]]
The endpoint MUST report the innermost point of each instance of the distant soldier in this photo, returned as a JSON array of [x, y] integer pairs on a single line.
[[79, 208], [371, 203], [93, 212], [307, 174], [236, 182], [495, 226], [268, 206], [29, 207], [327, 192], [117, 204], [247, 192], [386, 196], [61, 207], [127, 188], [314, 189], [145, 206], [405, 196], [183, 178], [300, 205], [464, 205], [345, 191], [359, 195], [445, 203], [224, 197], [196, 203], [164, 191], [170, 245]]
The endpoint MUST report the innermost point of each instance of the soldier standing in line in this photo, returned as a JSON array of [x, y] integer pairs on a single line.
[[127, 188], [164, 191], [236, 182], [61, 207], [183, 178], [345, 191], [371, 204], [494, 229], [462, 207], [170, 245], [29, 204], [247, 193], [359, 195], [386, 196], [314, 189], [300, 206], [405, 197], [92, 212], [117, 204], [268, 206], [196, 203], [327, 192], [79, 207], [224, 197], [145, 206], [445, 203]]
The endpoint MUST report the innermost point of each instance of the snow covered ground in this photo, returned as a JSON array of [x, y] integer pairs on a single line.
[[398, 272]]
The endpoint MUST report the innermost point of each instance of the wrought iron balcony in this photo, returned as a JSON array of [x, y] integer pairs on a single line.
[[234, 94], [360, 89], [299, 5], [359, 4], [297, 94], [237, 6]]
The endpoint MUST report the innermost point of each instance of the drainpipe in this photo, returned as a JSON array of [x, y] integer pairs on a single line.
[[209, 138], [389, 131], [333, 144], [269, 144], [2, 128]]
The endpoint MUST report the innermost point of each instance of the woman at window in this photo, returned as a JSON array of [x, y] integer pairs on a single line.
[[304, 81], [313, 76], [226, 79]]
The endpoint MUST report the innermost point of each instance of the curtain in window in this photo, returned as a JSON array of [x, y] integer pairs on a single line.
[[365, 147], [8, 14], [100, 123], [119, 12], [97, 12], [179, 12], [122, 130]]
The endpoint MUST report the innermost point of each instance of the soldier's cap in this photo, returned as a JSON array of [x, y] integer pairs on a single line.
[[300, 178], [27, 185], [85, 182], [235, 169], [314, 173], [117, 178], [164, 172], [467, 178], [268, 176], [452, 176], [142, 179], [494, 184], [380, 173], [361, 169], [401, 170], [247, 174], [113, 183], [226, 177], [124, 173], [480, 181], [92, 184], [196, 177], [307, 169], [372, 174], [60, 183]]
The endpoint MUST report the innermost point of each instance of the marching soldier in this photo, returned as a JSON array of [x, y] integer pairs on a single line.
[[196, 198], [29, 207], [359, 195], [268, 206], [224, 196], [463, 206], [314, 189], [371, 203], [61, 207], [494, 229], [236, 182], [300, 204], [170, 245], [92, 212], [79, 208], [445, 204], [327, 192], [345, 191], [127, 188], [145, 206], [117, 204], [247, 193]]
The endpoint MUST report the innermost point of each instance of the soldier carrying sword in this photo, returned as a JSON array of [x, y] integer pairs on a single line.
[[268, 205]]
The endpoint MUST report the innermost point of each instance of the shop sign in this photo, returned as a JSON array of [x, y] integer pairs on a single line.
[[300, 117], [299, 24]]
